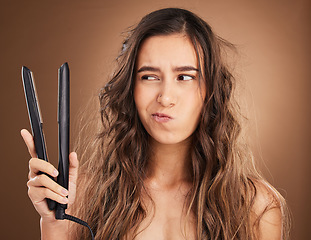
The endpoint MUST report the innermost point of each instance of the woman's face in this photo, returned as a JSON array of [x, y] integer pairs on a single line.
[[167, 93]]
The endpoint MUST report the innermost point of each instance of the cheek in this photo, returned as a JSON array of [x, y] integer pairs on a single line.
[[194, 101], [201, 94], [137, 97], [140, 98], [144, 95]]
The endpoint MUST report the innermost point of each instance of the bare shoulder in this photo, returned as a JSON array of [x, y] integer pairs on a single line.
[[267, 214]]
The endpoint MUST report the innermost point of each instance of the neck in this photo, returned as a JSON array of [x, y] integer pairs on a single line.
[[169, 165]]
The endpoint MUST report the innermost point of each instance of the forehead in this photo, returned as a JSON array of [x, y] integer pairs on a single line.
[[167, 50]]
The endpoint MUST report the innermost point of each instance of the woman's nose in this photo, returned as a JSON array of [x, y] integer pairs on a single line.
[[167, 95]]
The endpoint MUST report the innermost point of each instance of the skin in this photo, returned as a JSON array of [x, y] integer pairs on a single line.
[[166, 82], [41, 187]]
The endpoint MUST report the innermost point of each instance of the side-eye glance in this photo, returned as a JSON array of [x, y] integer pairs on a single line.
[[149, 78], [185, 77], [182, 77]]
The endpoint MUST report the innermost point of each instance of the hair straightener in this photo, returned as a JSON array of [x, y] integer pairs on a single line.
[[63, 133]]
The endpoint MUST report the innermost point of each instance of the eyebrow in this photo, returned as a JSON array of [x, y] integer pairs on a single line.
[[176, 69]]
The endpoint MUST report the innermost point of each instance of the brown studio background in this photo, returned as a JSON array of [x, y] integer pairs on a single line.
[[273, 68]]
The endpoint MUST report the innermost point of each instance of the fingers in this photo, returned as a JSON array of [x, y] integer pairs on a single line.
[[38, 195], [37, 165], [38, 182], [41, 187], [28, 139]]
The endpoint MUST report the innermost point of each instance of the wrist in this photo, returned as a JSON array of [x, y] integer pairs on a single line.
[[54, 229]]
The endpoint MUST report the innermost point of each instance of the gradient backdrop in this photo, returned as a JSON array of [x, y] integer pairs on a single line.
[[273, 69]]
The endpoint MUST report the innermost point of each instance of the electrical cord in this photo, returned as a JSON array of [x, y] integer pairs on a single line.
[[77, 220], [61, 215]]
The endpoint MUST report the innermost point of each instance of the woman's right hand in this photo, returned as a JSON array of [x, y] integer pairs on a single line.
[[40, 186]]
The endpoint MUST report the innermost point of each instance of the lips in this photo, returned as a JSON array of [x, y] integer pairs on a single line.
[[161, 117]]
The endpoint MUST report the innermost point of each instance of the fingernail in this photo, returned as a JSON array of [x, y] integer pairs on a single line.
[[55, 173], [64, 192]]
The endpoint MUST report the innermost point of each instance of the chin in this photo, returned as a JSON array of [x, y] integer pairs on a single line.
[[169, 140]]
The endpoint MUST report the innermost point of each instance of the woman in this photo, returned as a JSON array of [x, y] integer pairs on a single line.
[[167, 163]]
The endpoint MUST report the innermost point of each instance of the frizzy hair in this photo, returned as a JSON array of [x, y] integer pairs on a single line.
[[111, 179]]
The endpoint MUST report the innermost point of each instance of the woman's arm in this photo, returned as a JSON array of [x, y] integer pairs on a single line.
[[56, 229]]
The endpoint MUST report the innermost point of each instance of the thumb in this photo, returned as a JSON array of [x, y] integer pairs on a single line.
[[28, 139], [73, 167]]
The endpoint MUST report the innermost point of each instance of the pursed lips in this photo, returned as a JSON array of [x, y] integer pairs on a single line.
[[161, 117]]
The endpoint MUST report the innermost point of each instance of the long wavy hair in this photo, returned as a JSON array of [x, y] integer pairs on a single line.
[[224, 179]]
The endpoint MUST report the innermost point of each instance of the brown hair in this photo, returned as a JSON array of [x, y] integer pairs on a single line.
[[111, 179]]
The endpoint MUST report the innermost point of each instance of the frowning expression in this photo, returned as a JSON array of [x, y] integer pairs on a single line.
[[167, 92]]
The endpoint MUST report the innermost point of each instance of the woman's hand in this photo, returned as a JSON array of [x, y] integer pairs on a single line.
[[40, 186]]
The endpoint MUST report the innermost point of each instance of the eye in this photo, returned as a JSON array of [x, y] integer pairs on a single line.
[[185, 77], [149, 78]]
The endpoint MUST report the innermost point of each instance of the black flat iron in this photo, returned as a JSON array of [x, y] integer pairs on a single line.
[[63, 134], [63, 128]]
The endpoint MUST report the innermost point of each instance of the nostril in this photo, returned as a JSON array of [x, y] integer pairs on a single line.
[[165, 101]]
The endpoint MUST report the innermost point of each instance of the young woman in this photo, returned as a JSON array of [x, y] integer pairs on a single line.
[[167, 163]]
